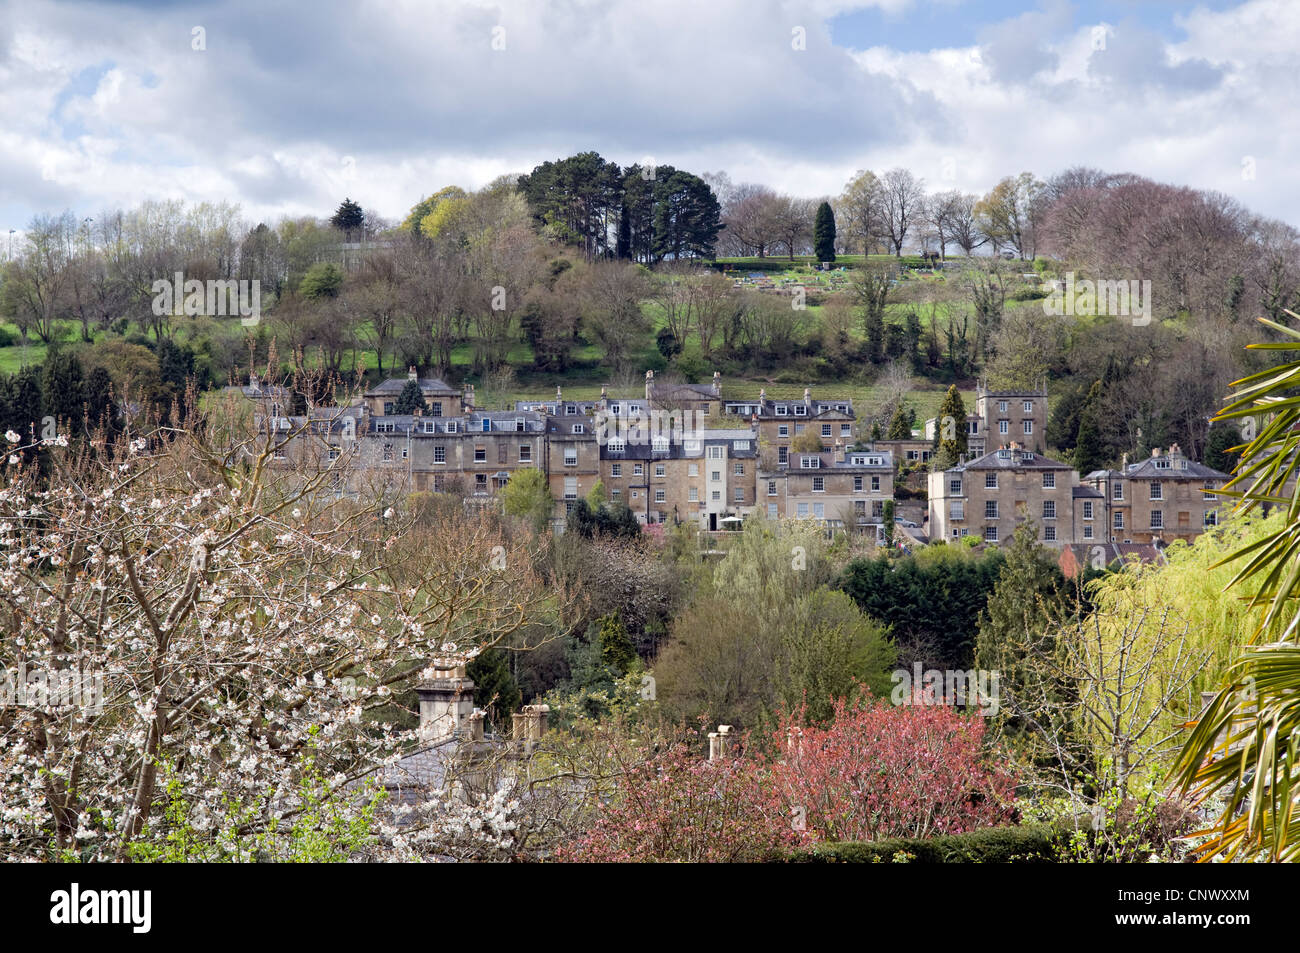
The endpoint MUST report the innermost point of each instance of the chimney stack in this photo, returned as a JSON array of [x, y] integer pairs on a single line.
[[411, 375], [649, 385], [807, 395], [446, 700], [476, 725], [717, 384], [469, 396], [530, 723], [718, 742], [254, 382], [559, 394]]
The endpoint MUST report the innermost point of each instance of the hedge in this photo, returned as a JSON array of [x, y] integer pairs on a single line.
[[1030, 844]]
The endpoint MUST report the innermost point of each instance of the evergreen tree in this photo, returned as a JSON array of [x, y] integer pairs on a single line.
[[623, 247], [348, 218], [950, 434], [64, 388], [616, 649], [1089, 450], [824, 233], [900, 427], [410, 399], [101, 409], [495, 688], [26, 401], [1218, 447]]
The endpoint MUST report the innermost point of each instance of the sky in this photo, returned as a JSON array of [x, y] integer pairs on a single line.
[[285, 108]]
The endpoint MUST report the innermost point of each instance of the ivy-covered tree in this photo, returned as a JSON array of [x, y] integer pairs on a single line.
[[616, 649]]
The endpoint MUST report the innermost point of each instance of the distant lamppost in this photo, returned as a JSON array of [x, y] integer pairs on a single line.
[[11, 245]]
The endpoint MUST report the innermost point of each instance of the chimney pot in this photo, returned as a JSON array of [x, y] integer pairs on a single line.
[[411, 375]]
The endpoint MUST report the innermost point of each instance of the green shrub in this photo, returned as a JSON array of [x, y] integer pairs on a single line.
[[1030, 844]]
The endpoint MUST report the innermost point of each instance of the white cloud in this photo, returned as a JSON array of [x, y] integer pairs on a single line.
[[109, 104]]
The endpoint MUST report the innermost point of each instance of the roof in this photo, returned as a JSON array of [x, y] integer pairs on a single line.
[[1180, 468], [1104, 554], [1012, 460], [428, 385], [1086, 493]]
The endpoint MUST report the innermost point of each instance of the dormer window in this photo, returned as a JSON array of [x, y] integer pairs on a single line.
[[1162, 464], [614, 409], [740, 445], [810, 463], [578, 428], [451, 426], [571, 410], [781, 410], [616, 445], [487, 425], [800, 410], [659, 443]]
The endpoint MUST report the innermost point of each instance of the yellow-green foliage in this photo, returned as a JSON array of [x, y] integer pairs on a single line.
[[1193, 589]]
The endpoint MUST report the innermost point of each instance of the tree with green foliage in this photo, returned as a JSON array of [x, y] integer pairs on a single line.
[[687, 216], [527, 495], [616, 649], [322, 280], [667, 343], [63, 385], [824, 233], [410, 399], [900, 427], [829, 647], [495, 689], [1245, 748], [951, 436], [931, 600], [1218, 447], [348, 218], [1016, 632], [101, 408], [1089, 450], [615, 519]]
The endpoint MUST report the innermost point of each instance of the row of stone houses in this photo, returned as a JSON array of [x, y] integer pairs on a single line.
[[685, 454], [1158, 500], [681, 454]]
